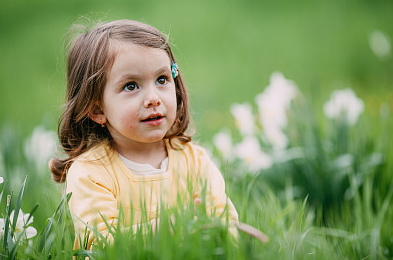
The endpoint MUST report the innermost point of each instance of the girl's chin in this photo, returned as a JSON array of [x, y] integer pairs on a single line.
[[153, 139], [148, 137]]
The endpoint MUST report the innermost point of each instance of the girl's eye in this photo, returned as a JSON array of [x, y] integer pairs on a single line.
[[130, 86], [161, 80]]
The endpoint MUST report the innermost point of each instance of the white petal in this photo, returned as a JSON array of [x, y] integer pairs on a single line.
[[26, 217], [276, 138], [2, 223], [243, 117], [344, 104], [249, 151], [12, 216], [223, 142], [30, 232], [273, 104]]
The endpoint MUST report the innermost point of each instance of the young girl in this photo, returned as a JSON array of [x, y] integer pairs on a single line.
[[124, 131]]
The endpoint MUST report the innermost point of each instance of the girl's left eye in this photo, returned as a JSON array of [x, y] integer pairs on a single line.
[[161, 80]]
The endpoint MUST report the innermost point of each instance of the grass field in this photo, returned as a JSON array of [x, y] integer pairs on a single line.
[[325, 187]]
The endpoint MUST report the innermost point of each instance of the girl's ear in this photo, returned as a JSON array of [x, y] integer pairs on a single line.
[[97, 115]]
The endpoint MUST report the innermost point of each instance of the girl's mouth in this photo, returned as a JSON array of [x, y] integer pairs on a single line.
[[153, 120]]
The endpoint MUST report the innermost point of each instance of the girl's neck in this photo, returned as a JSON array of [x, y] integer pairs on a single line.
[[145, 153]]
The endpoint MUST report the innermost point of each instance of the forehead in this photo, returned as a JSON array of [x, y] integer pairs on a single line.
[[133, 61], [134, 52], [130, 59]]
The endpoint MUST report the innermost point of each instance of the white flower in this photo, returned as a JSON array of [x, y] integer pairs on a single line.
[[273, 104], [2, 225], [379, 44], [250, 152], [276, 137], [344, 104], [22, 225], [243, 117], [1, 179], [40, 146], [223, 142]]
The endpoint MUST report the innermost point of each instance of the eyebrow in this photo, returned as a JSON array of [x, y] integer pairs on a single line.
[[129, 76]]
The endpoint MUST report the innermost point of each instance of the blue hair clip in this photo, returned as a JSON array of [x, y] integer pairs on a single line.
[[175, 70]]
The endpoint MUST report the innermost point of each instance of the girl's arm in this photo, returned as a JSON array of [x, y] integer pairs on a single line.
[[94, 193], [217, 201]]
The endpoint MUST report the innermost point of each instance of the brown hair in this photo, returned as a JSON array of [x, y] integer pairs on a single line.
[[88, 63]]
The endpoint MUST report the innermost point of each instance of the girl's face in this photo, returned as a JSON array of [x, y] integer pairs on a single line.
[[139, 100]]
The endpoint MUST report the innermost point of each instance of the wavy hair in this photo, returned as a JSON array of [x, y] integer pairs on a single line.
[[88, 62]]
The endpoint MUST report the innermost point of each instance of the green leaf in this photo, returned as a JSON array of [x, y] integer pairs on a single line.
[[95, 231], [84, 253], [32, 212], [107, 225], [17, 206], [6, 227], [1, 194], [49, 222], [45, 232]]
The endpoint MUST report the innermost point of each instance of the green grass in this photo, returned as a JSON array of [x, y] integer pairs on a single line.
[[291, 225], [354, 227]]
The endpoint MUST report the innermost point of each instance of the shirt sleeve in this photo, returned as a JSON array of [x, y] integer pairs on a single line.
[[217, 201]]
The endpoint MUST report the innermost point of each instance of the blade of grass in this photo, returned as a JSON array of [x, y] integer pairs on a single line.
[[6, 227], [45, 232], [94, 231], [48, 223], [84, 253], [32, 212], [107, 225], [1, 194], [17, 207]]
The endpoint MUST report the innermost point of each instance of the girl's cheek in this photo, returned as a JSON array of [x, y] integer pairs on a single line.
[[130, 119], [127, 114]]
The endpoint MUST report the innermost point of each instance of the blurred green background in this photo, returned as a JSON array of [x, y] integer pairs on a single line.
[[226, 50]]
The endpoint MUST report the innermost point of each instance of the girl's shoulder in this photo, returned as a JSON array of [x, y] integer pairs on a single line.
[[192, 148], [99, 153], [92, 165], [94, 159]]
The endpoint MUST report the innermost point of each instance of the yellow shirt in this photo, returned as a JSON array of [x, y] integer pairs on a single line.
[[101, 183]]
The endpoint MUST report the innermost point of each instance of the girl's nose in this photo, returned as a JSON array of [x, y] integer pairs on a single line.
[[151, 98]]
